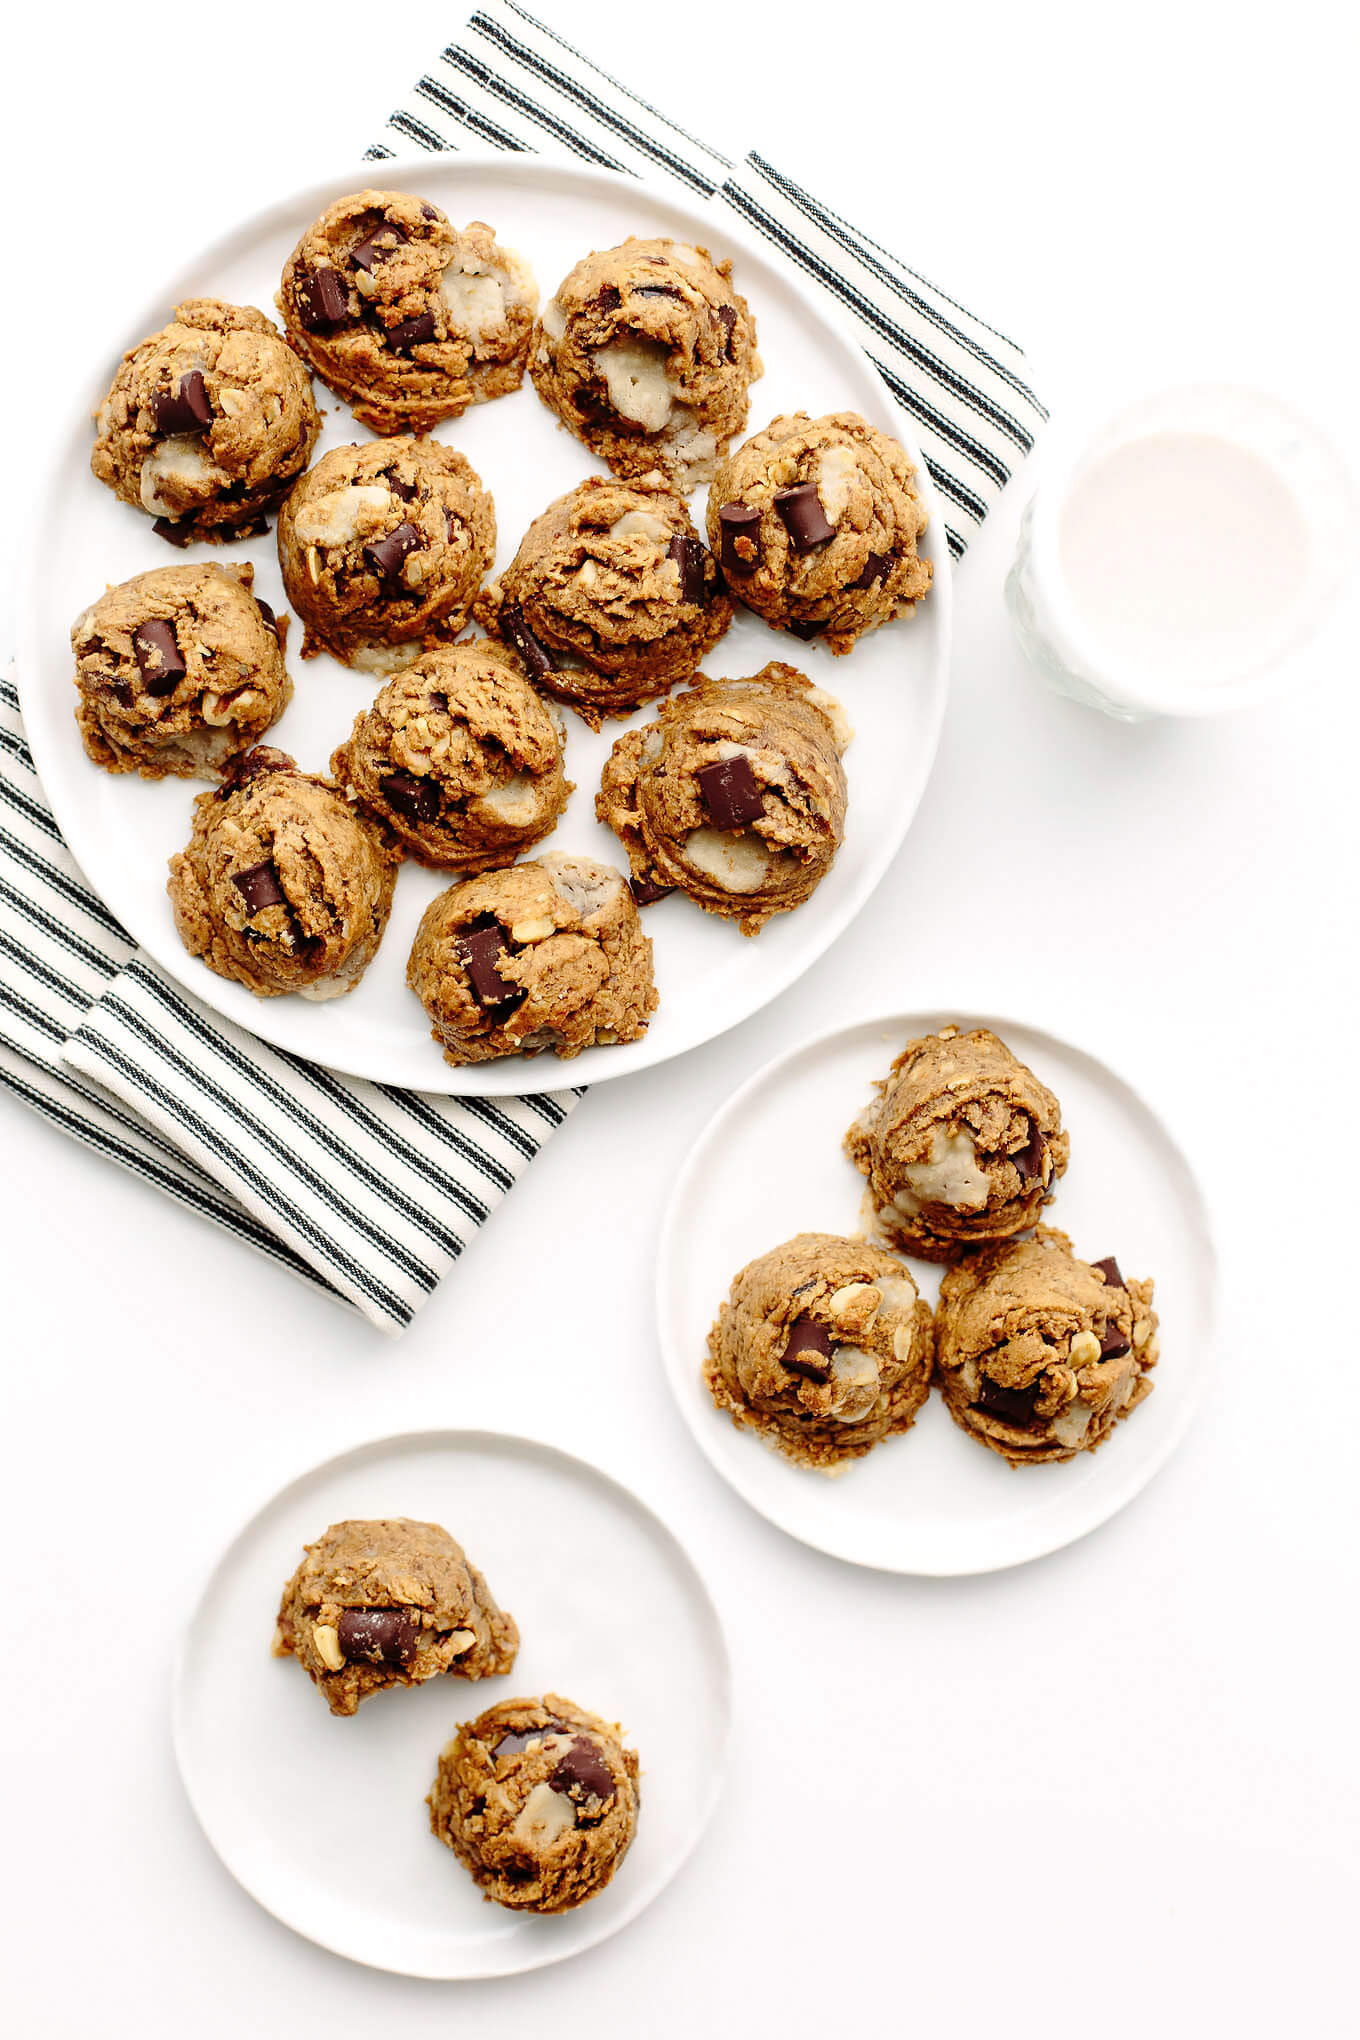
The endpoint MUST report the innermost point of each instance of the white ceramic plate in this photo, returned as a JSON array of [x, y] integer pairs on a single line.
[[123, 831], [322, 1819], [770, 1164]]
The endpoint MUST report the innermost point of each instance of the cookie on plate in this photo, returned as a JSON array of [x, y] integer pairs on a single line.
[[178, 671], [539, 1800], [404, 316], [207, 423], [1039, 1354], [646, 354]]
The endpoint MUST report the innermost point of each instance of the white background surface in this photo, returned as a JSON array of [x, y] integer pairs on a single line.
[[1112, 1792]]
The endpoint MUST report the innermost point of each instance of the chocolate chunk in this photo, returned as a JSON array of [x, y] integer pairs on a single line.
[[385, 555], [804, 518], [385, 1636], [415, 798], [806, 627], [582, 1773], [450, 525], [688, 555], [409, 333], [1029, 1162], [480, 947], [516, 1739], [726, 316], [875, 567], [406, 490], [368, 251], [323, 302], [647, 892], [739, 520], [1013, 1405], [158, 657], [606, 300], [731, 792], [184, 410], [173, 532], [441, 702], [121, 693], [535, 656], [270, 618], [1109, 1268], [807, 1336], [259, 887], [241, 771], [1113, 1343], [428, 211], [659, 290]]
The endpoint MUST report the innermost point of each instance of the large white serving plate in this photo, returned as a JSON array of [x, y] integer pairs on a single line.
[[123, 831], [321, 1819], [933, 1501]]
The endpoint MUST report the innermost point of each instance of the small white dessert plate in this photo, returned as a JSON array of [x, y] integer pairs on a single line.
[[771, 1164], [123, 830], [322, 1820]]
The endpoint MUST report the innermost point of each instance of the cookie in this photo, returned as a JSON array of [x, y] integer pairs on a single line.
[[383, 548], [735, 794], [823, 1349], [1039, 1354], [539, 1801], [646, 354], [612, 597], [284, 885], [961, 1144], [459, 758], [816, 522], [549, 954], [405, 317], [178, 671], [390, 1603], [207, 423]]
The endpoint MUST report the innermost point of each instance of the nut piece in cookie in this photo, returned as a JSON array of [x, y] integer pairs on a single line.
[[539, 1800], [404, 316], [816, 522], [735, 794], [646, 354], [961, 1144], [390, 1603], [612, 596], [1039, 1354], [178, 671], [383, 548], [460, 758], [547, 954], [206, 423], [284, 885], [823, 1348]]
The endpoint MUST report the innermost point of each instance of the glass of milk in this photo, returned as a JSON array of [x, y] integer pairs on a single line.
[[1171, 564]]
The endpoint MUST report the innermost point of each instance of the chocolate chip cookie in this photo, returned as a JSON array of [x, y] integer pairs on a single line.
[[646, 354], [178, 671], [549, 954], [735, 794], [460, 758], [284, 885], [823, 1349], [406, 318], [207, 423], [1039, 1354], [612, 596], [961, 1144], [539, 1800], [390, 1603], [383, 548], [816, 522]]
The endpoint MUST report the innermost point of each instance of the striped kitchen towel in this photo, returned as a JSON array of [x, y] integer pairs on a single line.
[[367, 1191], [509, 82]]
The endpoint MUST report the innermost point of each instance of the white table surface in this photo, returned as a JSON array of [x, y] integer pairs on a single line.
[[1120, 1794]]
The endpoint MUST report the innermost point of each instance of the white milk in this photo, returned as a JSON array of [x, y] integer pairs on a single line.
[[1182, 553]]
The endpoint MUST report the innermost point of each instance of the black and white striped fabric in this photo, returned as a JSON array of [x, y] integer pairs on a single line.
[[510, 83], [369, 1192]]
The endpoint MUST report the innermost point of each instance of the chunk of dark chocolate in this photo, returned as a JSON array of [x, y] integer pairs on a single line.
[[480, 948], [409, 333], [385, 239], [383, 556], [158, 657], [731, 792], [535, 655], [1012, 1405], [808, 1351], [259, 887], [647, 892], [410, 795], [185, 409], [384, 1636], [323, 302], [804, 518], [1109, 1268], [688, 555], [582, 1773], [740, 521]]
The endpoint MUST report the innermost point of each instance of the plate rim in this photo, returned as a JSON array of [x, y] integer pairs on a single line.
[[463, 1436], [513, 1076], [1043, 1545]]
